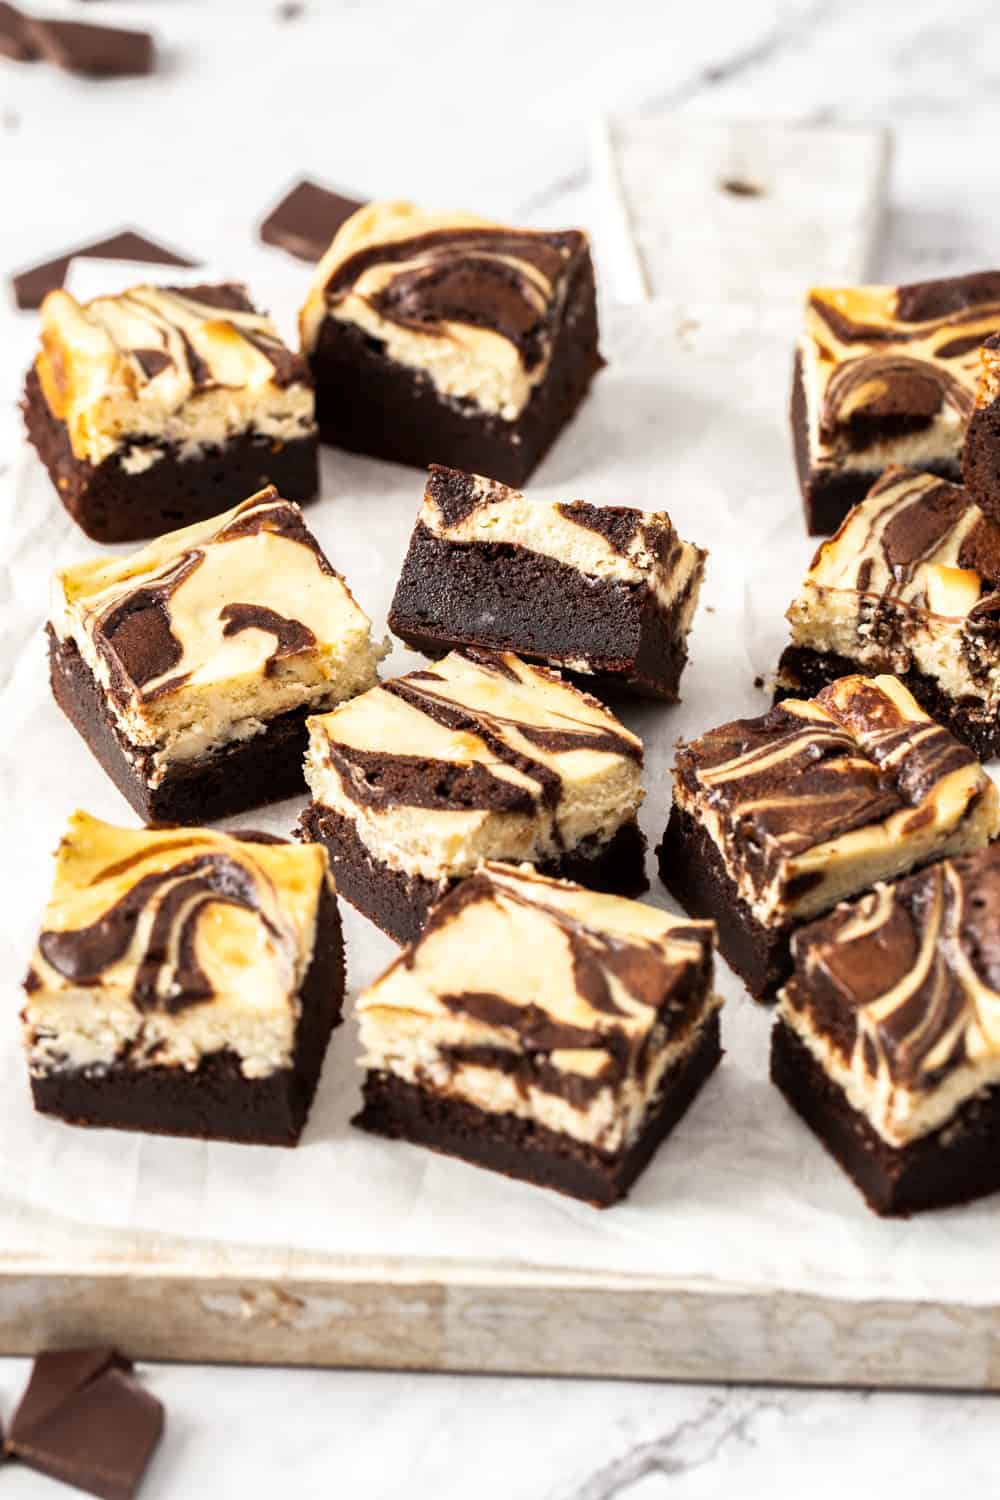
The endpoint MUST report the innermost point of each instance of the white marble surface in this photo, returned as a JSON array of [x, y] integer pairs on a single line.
[[460, 104]]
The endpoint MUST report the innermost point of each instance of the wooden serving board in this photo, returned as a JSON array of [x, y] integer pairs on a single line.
[[742, 1254]]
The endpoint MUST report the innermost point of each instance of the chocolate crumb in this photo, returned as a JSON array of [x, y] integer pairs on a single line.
[[758, 681], [289, 11], [740, 188]]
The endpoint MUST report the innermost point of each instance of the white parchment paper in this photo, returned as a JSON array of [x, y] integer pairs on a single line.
[[690, 416]]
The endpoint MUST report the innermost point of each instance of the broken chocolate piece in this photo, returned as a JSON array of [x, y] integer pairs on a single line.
[[31, 286], [99, 1437], [15, 43], [306, 220], [56, 1377], [93, 51]]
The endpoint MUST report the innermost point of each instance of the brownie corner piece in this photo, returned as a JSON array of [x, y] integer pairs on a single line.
[[442, 338], [482, 755], [901, 1087], [576, 1098], [606, 593], [885, 375], [776, 819], [144, 405], [190, 667], [185, 982]]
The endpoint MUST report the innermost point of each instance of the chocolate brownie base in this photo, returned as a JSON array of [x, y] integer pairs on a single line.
[[111, 505], [215, 1101], [828, 494], [399, 903], [246, 774], [370, 404], [802, 672], [692, 870], [508, 598], [955, 1164], [528, 1151], [981, 459]]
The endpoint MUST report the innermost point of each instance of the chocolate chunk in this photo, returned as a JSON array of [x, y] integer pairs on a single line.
[[306, 220], [100, 1439], [33, 285], [56, 1377], [15, 42], [93, 51]]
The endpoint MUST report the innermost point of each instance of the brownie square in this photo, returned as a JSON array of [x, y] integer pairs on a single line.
[[886, 1041], [443, 338], [143, 406], [190, 667], [885, 375], [607, 593], [596, 1029], [185, 982], [908, 585], [778, 818], [482, 757]]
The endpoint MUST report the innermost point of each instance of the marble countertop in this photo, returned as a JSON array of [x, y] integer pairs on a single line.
[[490, 108]]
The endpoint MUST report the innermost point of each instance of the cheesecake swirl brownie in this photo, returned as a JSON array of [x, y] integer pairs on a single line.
[[190, 666], [888, 1035], [184, 981], [776, 819], [886, 375], [542, 1030], [981, 454], [908, 585], [482, 757], [446, 338], [141, 405], [607, 592]]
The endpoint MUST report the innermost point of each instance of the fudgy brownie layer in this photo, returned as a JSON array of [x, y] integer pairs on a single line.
[[692, 870], [802, 672], [981, 459], [368, 403], [508, 598], [828, 494], [955, 1164], [215, 1101], [248, 773], [113, 506], [399, 903], [528, 1151]]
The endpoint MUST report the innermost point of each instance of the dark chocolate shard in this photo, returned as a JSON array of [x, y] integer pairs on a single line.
[[100, 1439], [306, 220], [56, 1377], [32, 285], [93, 51], [15, 39]]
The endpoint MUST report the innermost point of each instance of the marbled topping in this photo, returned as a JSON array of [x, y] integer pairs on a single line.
[[820, 798], [160, 946], [537, 997], [909, 580], [225, 623], [898, 994], [442, 765], [613, 542], [885, 365], [473, 305], [155, 365]]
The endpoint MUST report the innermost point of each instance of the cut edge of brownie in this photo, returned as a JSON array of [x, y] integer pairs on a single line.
[[399, 903], [525, 1150], [110, 505], [240, 776], [563, 616], [829, 494], [693, 871], [215, 1101], [954, 1164], [357, 384], [802, 672], [981, 458]]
